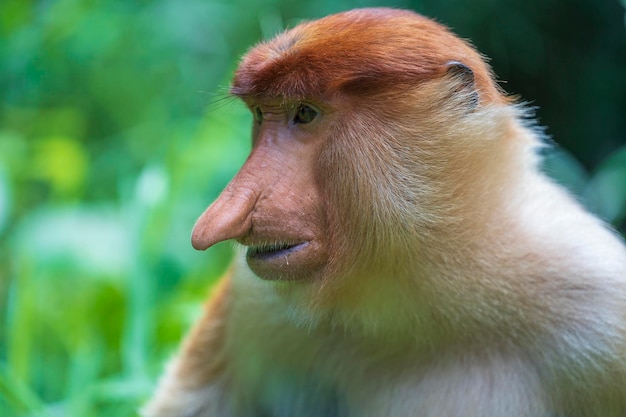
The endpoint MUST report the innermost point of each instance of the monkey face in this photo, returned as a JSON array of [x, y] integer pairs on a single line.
[[273, 205], [343, 120]]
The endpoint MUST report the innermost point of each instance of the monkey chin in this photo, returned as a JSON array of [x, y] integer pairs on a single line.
[[286, 261]]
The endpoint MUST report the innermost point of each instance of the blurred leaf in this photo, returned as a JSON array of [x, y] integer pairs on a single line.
[[152, 185], [13, 152], [94, 241], [606, 191], [16, 394], [566, 170], [62, 161], [14, 13], [5, 199]]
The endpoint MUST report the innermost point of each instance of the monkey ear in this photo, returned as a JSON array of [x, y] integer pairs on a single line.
[[464, 77]]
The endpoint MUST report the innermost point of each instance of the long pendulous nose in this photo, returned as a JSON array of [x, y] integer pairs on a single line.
[[229, 217]]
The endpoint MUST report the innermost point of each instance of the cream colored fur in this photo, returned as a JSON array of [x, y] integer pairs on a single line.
[[520, 310]]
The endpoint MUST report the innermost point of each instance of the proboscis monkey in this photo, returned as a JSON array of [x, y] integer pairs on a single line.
[[400, 252]]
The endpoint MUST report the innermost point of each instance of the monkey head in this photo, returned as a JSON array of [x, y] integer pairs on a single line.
[[358, 126]]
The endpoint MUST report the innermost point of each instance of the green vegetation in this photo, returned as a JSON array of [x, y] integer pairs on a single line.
[[116, 131]]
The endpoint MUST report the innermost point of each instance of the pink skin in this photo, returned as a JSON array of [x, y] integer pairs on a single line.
[[273, 204]]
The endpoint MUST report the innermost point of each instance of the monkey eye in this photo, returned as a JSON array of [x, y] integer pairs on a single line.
[[258, 114], [305, 114]]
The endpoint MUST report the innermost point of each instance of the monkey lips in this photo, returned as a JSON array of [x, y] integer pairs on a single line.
[[283, 260], [267, 251]]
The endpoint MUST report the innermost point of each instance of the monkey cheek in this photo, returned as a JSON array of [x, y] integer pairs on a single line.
[[302, 262]]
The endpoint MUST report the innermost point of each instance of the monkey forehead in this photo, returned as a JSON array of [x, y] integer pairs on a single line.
[[355, 52]]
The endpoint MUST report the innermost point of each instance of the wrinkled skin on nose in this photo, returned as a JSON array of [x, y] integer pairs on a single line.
[[229, 217], [273, 207]]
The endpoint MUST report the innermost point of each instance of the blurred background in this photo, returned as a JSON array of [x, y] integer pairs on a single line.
[[115, 135]]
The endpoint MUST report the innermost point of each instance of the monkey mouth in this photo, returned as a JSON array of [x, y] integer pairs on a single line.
[[284, 260], [267, 251]]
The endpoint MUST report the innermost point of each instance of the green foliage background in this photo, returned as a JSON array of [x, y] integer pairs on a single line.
[[115, 134]]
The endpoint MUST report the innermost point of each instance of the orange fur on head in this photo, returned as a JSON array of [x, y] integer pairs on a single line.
[[357, 53]]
